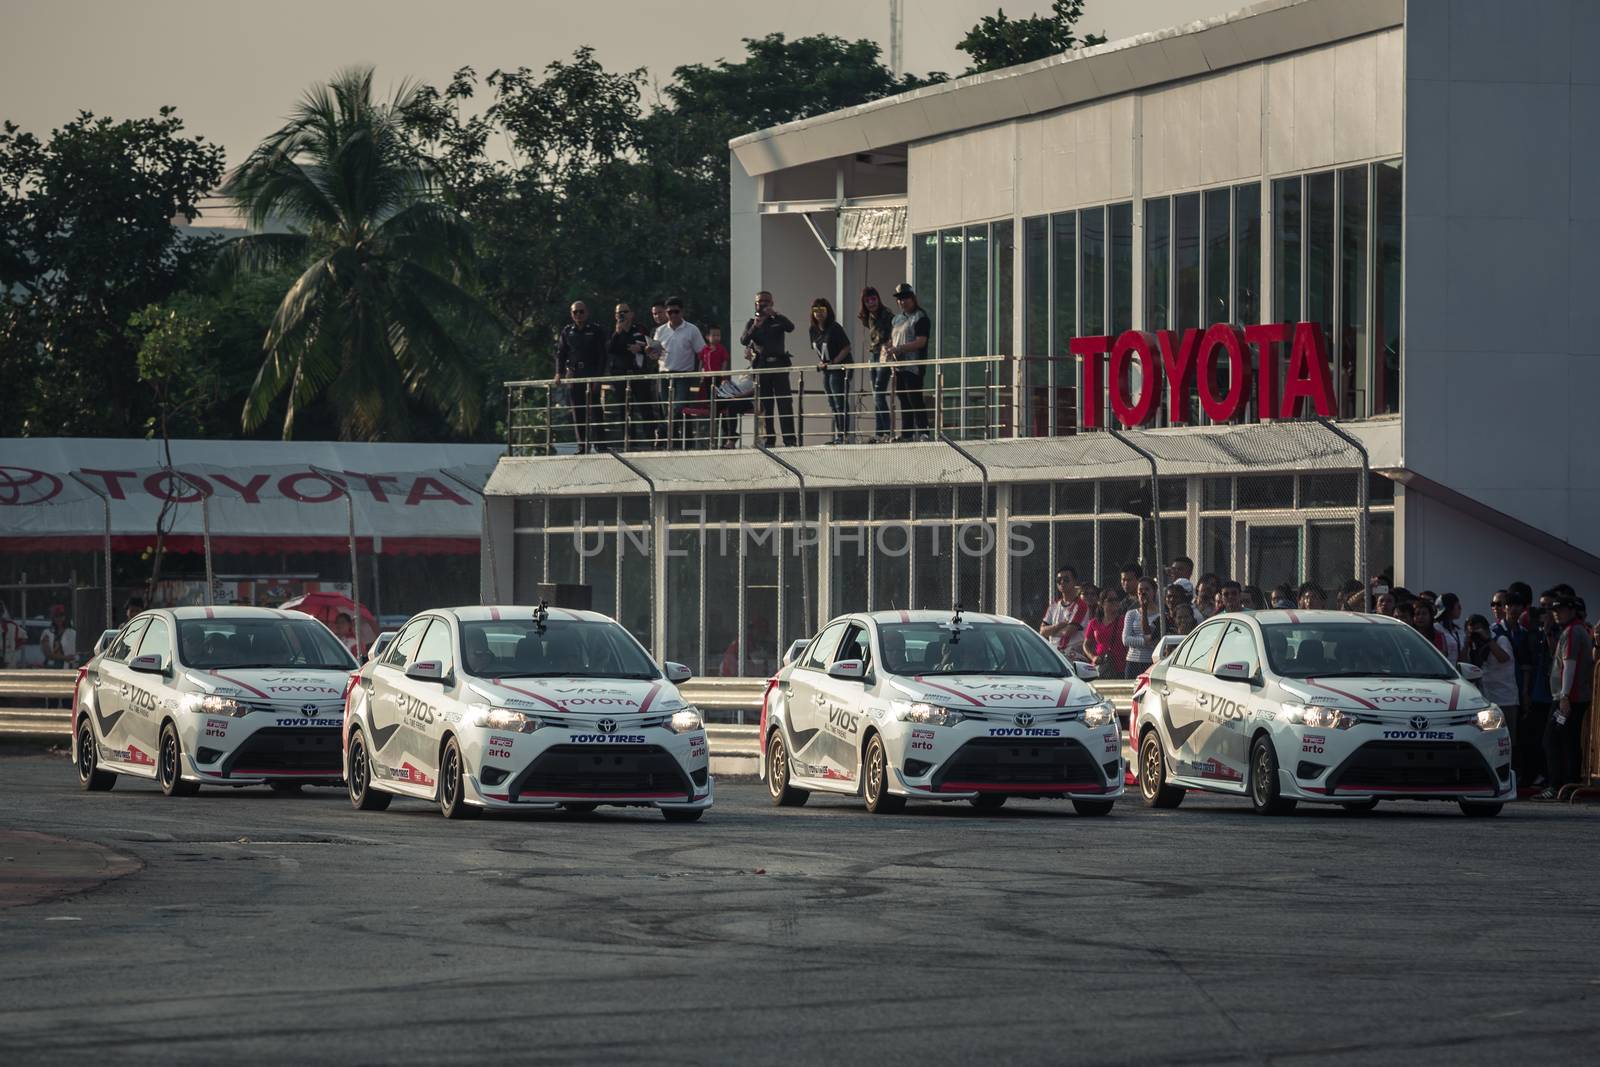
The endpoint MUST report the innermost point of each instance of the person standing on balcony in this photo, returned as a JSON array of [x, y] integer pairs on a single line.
[[832, 346], [581, 355], [763, 338], [879, 324], [680, 342], [908, 342], [629, 406]]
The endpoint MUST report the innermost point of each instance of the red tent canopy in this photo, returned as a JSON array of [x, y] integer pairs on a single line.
[[328, 606]]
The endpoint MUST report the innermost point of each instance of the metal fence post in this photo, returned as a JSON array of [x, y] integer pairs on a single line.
[[1155, 520], [1363, 509], [658, 548]]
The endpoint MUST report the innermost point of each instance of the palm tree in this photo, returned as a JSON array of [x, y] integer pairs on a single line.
[[379, 317]]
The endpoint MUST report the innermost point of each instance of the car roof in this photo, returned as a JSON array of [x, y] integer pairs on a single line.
[[231, 611], [1285, 616], [925, 615], [515, 613]]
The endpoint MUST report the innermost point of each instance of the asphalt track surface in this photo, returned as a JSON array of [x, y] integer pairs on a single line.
[[295, 930]]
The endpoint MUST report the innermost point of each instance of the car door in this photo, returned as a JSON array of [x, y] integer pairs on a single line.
[[421, 705], [384, 690], [1188, 680], [1225, 734], [148, 693], [807, 694], [842, 704], [111, 676]]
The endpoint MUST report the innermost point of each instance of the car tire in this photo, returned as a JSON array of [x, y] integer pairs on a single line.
[[453, 785], [782, 793], [1360, 807], [90, 777], [1153, 785], [1477, 809], [988, 801], [1093, 807], [287, 789], [1264, 786], [875, 779], [169, 765], [358, 780], [579, 807], [683, 814]]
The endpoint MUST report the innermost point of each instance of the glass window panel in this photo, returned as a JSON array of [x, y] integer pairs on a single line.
[[1174, 495], [1354, 383], [1331, 555], [1218, 234], [722, 507], [933, 567], [1379, 489], [1274, 555], [1035, 287], [600, 571], [977, 289], [529, 513], [1092, 272], [1247, 254], [1030, 498], [686, 508], [795, 589], [563, 511], [563, 561], [1074, 547], [761, 550], [1386, 285], [1075, 498], [1320, 242], [891, 504], [763, 507], [1118, 496], [1028, 549], [1258, 491], [974, 556], [1380, 543], [933, 503], [1174, 542], [1119, 543], [925, 274], [1064, 255], [1186, 260], [1216, 494], [1216, 547], [1120, 224], [850, 504], [1157, 263], [949, 327], [528, 567], [1004, 282], [848, 568], [891, 567], [635, 509], [1286, 250], [636, 562], [1332, 490], [599, 510], [970, 501], [683, 596]]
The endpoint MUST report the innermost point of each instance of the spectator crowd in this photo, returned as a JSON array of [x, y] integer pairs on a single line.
[[678, 388], [1537, 654]]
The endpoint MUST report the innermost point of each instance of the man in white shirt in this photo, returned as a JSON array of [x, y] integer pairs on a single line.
[[1067, 614], [681, 344]]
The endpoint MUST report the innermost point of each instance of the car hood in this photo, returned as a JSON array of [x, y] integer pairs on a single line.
[[1400, 697], [276, 685], [596, 697], [997, 692]]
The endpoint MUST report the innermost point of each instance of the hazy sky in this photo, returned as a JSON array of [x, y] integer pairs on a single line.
[[235, 67]]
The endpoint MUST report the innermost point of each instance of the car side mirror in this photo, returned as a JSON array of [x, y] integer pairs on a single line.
[[1470, 672], [1087, 672], [426, 670], [677, 673], [852, 670], [155, 663], [795, 648], [1234, 672]]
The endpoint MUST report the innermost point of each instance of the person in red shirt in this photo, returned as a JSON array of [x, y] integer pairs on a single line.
[[715, 361], [1102, 638]]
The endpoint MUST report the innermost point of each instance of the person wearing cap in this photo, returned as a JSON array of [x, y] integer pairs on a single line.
[[908, 340], [763, 339], [59, 643], [1571, 688]]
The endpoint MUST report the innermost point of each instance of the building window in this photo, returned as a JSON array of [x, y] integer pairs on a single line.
[[1386, 287], [1320, 241], [1186, 261], [1286, 250], [1157, 262], [1005, 244], [925, 276], [1247, 254], [1120, 224], [1355, 356], [949, 326]]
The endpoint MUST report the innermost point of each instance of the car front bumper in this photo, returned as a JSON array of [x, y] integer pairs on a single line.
[[971, 759], [550, 767], [1386, 761]]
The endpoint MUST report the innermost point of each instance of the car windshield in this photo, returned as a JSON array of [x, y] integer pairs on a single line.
[[1352, 650], [520, 649], [218, 644], [974, 648]]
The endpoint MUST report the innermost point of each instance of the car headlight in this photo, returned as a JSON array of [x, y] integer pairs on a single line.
[[926, 714], [1317, 718], [1491, 718], [215, 705], [686, 721], [502, 719], [1101, 714]]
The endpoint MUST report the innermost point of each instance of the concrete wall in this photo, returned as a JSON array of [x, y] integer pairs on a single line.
[[1502, 325]]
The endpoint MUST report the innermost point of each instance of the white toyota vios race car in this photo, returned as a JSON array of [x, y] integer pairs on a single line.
[[213, 696], [905, 705], [510, 708], [1328, 707]]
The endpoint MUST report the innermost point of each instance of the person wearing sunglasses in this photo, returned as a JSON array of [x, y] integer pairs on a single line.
[[681, 343], [763, 339], [832, 346], [1067, 614], [581, 355]]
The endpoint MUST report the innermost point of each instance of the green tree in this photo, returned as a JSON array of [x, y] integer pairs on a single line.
[[1000, 41], [86, 240], [380, 317]]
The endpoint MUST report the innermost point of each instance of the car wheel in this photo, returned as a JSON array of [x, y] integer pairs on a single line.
[[1360, 807], [1153, 785], [90, 776], [1093, 807], [285, 788], [1264, 795], [782, 793], [169, 766], [683, 814], [1477, 809], [359, 781], [452, 785], [579, 808], [988, 801], [875, 773]]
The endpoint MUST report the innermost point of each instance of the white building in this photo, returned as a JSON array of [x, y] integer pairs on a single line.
[[1412, 178]]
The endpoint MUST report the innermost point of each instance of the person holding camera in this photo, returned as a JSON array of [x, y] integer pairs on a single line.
[[879, 324], [908, 341], [832, 346], [763, 340], [628, 410]]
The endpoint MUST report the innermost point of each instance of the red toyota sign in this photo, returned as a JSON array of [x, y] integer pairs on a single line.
[[1188, 364]]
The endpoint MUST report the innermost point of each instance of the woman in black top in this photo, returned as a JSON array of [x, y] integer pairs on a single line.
[[878, 321], [832, 346]]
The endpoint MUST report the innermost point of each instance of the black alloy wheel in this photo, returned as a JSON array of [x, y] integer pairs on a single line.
[[783, 794], [1265, 796], [169, 766], [875, 776], [358, 781], [452, 785], [1153, 785], [90, 776]]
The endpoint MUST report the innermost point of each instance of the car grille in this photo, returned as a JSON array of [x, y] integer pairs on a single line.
[[282, 749], [1396, 765], [604, 770], [1044, 764]]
